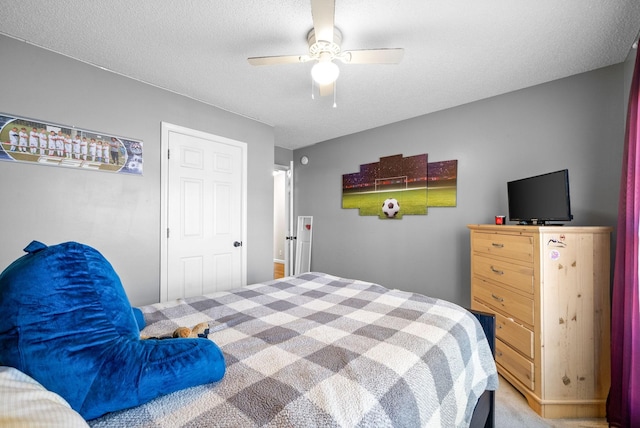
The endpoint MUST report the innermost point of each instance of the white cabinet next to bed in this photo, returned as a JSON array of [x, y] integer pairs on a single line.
[[549, 288]]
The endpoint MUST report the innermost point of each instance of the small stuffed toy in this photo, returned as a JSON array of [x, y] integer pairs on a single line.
[[200, 330]]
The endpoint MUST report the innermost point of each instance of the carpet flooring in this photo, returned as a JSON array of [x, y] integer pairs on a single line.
[[512, 411]]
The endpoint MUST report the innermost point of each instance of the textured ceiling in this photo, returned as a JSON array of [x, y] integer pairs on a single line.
[[456, 51]]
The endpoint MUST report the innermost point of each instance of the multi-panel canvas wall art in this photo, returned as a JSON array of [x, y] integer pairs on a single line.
[[396, 186]]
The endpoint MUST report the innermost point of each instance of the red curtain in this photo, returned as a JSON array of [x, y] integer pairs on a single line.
[[623, 405]]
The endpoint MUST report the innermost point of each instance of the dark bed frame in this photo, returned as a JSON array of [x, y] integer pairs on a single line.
[[484, 413]]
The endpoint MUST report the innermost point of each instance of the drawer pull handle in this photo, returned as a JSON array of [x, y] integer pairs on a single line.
[[498, 298], [494, 270], [497, 245]]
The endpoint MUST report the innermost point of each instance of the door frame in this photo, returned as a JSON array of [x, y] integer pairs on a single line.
[[290, 247], [166, 128]]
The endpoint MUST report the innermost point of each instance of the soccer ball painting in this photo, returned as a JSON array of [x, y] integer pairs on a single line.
[[390, 207]]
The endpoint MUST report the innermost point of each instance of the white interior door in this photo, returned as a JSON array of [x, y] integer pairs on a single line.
[[205, 206]]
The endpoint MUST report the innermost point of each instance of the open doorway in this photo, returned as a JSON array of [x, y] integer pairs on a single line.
[[282, 221]]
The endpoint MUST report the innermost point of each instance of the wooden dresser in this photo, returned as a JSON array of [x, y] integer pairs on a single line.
[[549, 288]]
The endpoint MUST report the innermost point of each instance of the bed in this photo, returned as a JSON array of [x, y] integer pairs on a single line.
[[318, 350]]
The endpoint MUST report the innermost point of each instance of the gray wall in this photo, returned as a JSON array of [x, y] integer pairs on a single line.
[[283, 156], [117, 214], [575, 123]]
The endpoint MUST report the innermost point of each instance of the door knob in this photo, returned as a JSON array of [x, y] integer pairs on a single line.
[[237, 244]]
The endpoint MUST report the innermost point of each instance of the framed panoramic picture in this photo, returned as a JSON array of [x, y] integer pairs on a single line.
[[44, 143]]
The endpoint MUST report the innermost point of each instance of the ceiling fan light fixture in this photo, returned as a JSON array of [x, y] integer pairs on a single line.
[[325, 72], [324, 40]]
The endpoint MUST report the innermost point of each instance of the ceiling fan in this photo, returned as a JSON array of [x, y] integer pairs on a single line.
[[324, 41]]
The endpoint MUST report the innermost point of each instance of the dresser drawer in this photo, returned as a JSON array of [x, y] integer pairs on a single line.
[[517, 336], [507, 302], [516, 364], [517, 247], [509, 274]]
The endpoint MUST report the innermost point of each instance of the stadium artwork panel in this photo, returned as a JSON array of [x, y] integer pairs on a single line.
[[396, 186], [42, 143]]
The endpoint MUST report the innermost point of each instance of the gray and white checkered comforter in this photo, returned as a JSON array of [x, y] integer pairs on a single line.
[[318, 350]]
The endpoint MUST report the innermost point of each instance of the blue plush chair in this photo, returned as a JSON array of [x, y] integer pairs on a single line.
[[66, 321]]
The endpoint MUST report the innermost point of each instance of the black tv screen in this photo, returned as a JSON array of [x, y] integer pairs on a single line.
[[540, 199]]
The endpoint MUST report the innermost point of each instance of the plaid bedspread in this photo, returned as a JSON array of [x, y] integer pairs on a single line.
[[317, 350]]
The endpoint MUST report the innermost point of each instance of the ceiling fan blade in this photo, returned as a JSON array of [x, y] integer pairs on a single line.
[[373, 56], [273, 60], [326, 89], [323, 14]]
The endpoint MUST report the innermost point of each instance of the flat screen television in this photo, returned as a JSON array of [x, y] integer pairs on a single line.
[[540, 199]]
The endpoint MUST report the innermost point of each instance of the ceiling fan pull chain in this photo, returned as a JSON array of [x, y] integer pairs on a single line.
[[313, 96], [335, 89]]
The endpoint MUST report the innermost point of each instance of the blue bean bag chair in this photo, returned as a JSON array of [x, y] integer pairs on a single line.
[[65, 320]]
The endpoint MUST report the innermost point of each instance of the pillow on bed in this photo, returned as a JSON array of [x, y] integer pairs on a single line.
[[67, 322], [26, 403]]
